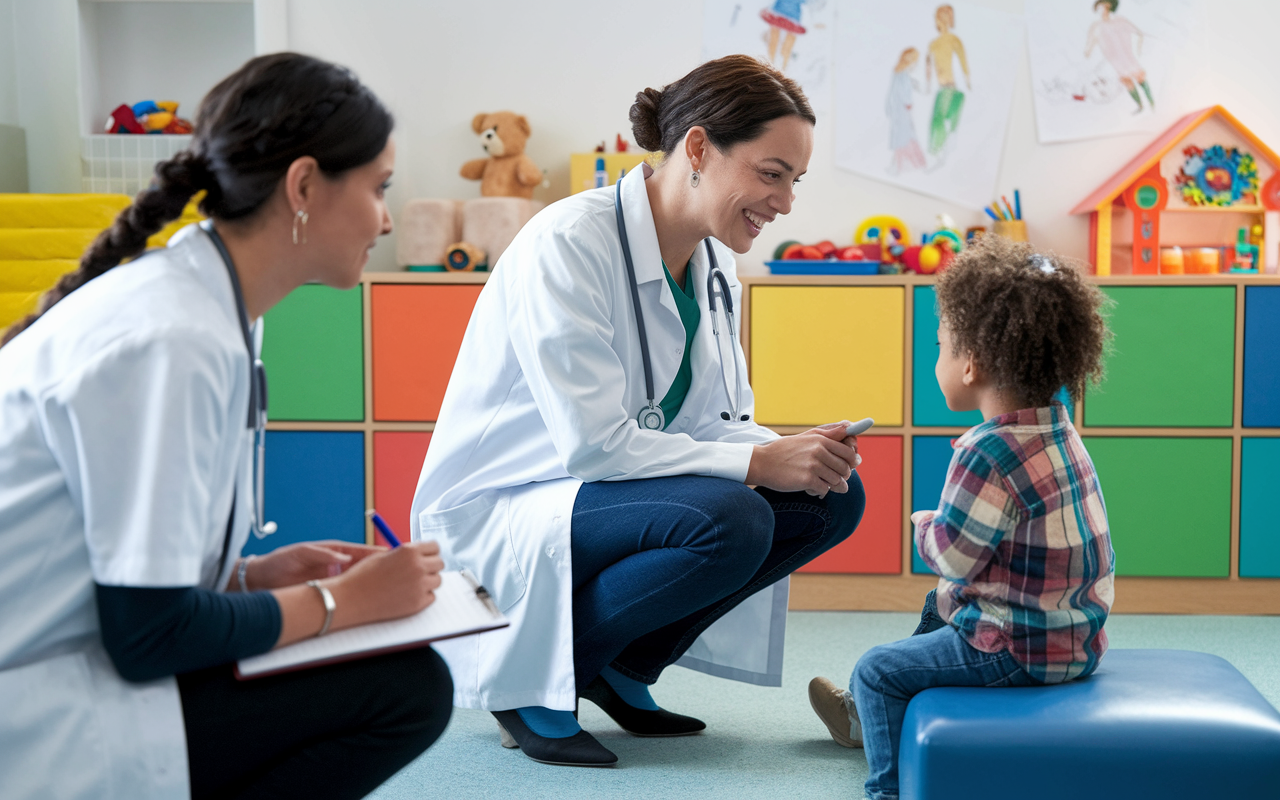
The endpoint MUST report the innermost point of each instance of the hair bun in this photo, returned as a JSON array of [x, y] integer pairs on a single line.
[[644, 120]]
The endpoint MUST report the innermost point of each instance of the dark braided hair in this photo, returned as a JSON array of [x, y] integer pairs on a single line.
[[249, 129], [1031, 320]]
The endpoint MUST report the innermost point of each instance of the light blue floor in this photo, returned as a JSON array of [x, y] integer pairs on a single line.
[[765, 743]]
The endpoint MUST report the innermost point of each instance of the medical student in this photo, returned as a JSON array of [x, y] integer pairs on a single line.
[[593, 462], [127, 418]]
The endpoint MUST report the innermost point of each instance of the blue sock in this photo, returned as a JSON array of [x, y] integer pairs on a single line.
[[549, 724], [633, 692]]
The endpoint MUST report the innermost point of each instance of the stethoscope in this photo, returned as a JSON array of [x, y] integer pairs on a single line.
[[651, 416], [257, 390]]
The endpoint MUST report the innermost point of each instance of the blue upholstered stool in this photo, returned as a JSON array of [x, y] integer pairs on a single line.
[[1166, 724]]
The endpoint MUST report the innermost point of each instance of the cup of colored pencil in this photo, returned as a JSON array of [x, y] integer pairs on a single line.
[[1007, 221]]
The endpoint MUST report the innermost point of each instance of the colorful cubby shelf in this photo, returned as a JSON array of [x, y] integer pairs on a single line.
[[1185, 431]]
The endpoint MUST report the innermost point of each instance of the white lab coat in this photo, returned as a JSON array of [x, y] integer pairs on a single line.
[[544, 396], [122, 435]]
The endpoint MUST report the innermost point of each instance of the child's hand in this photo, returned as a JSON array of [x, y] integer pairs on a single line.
[[919, 517]]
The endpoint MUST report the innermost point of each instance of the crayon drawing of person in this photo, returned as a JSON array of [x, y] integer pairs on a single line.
[[1113, 35], [949, 101], [783, 17], [902, 129]]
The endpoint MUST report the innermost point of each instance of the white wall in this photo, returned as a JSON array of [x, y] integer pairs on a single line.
[[574, 66], [47, 59], [8, 66]]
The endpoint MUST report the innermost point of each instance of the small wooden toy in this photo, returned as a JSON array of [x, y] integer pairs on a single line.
[[463, 257], [1208, 161]]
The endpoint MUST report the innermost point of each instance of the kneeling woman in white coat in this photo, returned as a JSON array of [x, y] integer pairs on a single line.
[[592, 464], [127, 417]]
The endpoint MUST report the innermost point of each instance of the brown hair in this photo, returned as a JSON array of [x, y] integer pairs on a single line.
[[1032, 322], [909, 56], [948, 12], [733, 98], [249, 129]]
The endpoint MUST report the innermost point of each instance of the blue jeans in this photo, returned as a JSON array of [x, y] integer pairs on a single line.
[[888, 676], [656, 561]]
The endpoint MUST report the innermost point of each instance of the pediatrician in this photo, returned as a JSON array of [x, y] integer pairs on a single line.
[[128, 413], [595, 453]]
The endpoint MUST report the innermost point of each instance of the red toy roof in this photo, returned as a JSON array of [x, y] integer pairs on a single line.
[[1114, 186]]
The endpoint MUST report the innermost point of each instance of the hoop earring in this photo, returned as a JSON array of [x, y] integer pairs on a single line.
[[695, 178], [302, 217]]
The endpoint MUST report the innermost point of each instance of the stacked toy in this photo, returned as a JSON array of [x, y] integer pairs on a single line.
[[148, 116]]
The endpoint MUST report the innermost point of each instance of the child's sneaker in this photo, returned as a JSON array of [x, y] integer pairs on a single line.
[[834, 706]]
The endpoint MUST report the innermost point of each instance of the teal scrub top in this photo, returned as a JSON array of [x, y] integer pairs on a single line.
[[687, 305]]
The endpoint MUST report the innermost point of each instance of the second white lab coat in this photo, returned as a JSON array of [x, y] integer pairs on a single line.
[[123, 449], [543, 397]]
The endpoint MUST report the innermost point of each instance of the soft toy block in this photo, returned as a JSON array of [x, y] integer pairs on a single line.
[[1171, 724], [23, 244], [490, 223], [60, 210], [425, 228], [33, 276], [507, 172]]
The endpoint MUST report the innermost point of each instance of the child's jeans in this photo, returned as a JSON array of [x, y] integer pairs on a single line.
[[888, 676]]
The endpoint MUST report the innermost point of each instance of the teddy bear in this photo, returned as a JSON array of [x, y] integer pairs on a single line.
[[507, 172]]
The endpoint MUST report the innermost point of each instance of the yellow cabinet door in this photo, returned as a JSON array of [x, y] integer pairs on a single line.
[[825, 353]]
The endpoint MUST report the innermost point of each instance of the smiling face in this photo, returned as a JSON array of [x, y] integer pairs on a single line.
[[347, 214], [750, 184]]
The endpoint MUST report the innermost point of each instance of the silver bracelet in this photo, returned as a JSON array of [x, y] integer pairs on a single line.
[[327, 597], [241, 569]]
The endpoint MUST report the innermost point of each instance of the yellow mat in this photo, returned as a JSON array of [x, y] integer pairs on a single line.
[[43, 236]]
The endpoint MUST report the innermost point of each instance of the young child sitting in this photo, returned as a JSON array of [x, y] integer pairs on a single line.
[[1020, 540]]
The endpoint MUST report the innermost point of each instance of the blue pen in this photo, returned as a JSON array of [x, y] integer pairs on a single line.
[[991, 214], [1017, 202], [383, 528]]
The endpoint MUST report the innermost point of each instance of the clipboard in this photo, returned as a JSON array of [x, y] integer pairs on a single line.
[[462, 608]]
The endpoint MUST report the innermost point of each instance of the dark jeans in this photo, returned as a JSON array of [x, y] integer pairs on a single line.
[[656, 561], [330, 732]]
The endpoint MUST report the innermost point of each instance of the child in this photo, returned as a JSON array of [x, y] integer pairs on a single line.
[[1020, 540]]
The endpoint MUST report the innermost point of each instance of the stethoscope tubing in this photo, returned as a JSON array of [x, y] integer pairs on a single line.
[[257, 421], [717, 283]]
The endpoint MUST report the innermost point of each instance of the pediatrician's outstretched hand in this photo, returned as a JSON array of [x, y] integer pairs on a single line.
[[816, 461], [387, 585]]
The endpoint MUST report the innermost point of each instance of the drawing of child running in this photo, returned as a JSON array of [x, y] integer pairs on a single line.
[[1114, 36], [949, 100], [902, 129]]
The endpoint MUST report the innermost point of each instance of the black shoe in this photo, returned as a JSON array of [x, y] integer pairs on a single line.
[[578, 750], [638, 721]]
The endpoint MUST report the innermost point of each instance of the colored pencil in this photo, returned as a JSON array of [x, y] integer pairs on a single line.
[[990, 214], [1009, 206], [1017, 202]]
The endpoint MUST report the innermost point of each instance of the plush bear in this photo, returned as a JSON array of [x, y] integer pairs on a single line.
[[507, 172]]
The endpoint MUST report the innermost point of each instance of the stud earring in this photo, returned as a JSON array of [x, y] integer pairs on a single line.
[[695, 178], [300, 217]]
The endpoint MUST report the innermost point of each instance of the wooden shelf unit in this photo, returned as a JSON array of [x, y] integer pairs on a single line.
[[905, 591]]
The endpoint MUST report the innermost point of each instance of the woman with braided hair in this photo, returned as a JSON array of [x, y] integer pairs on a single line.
[[126, 483]]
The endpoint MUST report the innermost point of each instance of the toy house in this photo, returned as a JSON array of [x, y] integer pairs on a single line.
[[1196, 187]]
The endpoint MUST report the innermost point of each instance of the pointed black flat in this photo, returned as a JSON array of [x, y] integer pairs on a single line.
[[578, 750], [638, 721]]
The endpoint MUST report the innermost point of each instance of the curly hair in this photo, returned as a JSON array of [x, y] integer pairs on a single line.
[[1032, 322]]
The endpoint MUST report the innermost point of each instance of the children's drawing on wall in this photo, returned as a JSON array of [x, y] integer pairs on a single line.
[[944, 50], [793, 35], [946, 71], [1100, 67]]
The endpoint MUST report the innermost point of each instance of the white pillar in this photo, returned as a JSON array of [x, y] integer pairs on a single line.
[[270, 26]]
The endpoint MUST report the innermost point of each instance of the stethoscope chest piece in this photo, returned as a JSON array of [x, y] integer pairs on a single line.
[[651, 418]]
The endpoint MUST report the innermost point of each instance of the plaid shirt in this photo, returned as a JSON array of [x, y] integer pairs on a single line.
[[1021, 544]]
